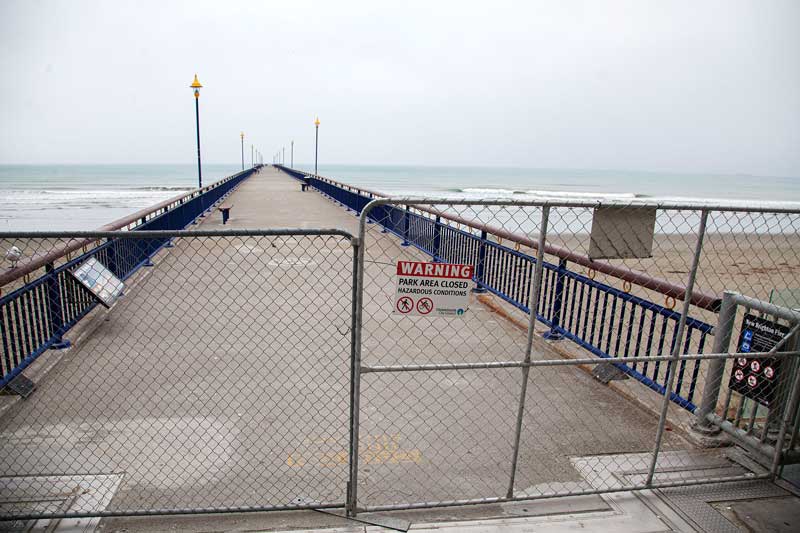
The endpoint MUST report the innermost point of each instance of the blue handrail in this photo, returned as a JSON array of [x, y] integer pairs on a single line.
[[590, 322], [34, 317]]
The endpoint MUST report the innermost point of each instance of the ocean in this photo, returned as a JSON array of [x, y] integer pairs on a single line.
[[85, 197]]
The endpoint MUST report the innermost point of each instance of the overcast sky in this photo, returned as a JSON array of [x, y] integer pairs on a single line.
[[654, 85]]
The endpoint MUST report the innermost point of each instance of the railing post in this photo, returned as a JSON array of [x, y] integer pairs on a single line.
[[480, 268], [723, 332], [112, 257], [437, 238], [55, 307], [406, 226], [558, 302]]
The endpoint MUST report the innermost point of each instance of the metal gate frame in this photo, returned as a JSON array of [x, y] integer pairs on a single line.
[[357, 368], [161, 236], [525, 365]]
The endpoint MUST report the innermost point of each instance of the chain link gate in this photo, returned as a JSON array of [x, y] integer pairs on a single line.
[[266, 370], [219, 381], [481, 408]]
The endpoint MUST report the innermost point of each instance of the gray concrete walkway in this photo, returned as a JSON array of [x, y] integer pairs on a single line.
[[271, 199], [222, 379]]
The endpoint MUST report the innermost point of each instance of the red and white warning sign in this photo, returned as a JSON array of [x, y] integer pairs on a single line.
[[432, 289]]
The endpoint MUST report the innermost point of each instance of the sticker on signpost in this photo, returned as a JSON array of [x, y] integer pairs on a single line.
[[432, 289]]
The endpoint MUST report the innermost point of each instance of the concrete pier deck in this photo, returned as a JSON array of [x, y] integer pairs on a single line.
[[222, 379]]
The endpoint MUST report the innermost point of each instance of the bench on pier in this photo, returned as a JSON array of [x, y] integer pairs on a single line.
[[226, 212]]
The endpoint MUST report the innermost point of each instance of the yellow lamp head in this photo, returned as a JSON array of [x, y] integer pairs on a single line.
[[241, 135], [316, 122], [196, 86]]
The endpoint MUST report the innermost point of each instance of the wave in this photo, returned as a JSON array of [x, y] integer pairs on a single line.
[[39, 199], [480, 190], [539, 193], [176, 188]]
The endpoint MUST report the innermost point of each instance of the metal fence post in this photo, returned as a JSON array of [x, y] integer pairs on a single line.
[[112, 257], [437, 239], [558, 302], [351, 506], [406, 226], [716, 367], [534, 296], [676, 349], [55, 307], [789, 411], [480, 268]]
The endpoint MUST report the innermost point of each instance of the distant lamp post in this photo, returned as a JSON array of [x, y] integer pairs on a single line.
[[196, 89], [242, 137], [292, 156], [316, 144]]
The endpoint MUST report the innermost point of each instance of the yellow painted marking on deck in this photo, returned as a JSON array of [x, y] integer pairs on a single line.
[[372, 450]]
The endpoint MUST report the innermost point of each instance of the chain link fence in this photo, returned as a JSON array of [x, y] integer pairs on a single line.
[[603, 390], [219, 380], [599, 348]]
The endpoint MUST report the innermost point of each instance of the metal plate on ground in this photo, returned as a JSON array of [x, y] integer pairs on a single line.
[[700, 504], [21, 386], [39, 496], [605, 372]]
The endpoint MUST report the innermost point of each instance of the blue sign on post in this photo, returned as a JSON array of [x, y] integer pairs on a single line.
[[757, 377]]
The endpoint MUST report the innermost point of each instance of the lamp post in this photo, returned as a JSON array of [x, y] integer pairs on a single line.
[[316, 144], [196, 88], [242, 136], [251, 156], [292, 156], [283, 157]]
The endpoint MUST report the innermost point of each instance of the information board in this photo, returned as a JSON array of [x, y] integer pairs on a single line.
[[104, 285], [757, 378], [432, 289]]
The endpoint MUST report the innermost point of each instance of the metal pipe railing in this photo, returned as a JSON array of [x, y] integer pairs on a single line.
[[449, 244], [35, 316], [699, 299], [138, 218]]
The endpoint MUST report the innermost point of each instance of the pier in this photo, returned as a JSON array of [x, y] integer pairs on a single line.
[[230, 375]]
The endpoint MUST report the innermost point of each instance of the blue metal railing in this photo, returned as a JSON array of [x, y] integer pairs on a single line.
[[34, 317], [604, 320]]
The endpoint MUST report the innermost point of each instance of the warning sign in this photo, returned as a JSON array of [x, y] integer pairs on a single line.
[[432, 289], [757, 378]]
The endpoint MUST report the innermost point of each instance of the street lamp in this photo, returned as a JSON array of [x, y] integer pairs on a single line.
[[316, 144], [242, 136], [196, 88]]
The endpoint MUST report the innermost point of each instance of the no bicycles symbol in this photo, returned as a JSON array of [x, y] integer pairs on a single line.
[[432, 289], [424, 306]]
